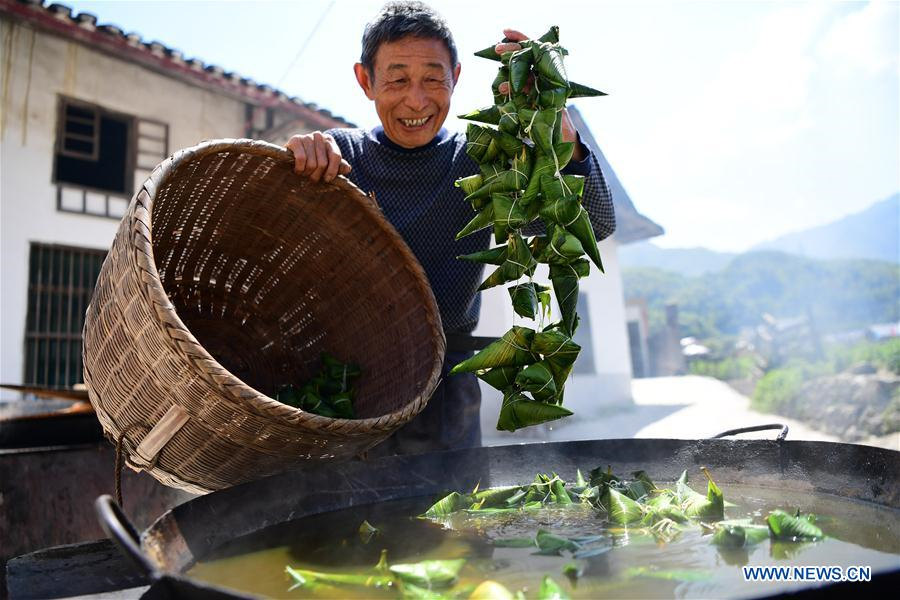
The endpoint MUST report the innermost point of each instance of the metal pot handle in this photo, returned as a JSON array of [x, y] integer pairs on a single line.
[[123, 534], [780, 438]]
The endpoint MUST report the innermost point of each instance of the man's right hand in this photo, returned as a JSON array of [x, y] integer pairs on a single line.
[[317, 156]]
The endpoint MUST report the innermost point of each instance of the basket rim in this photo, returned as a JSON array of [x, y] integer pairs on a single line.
[[207, 366]]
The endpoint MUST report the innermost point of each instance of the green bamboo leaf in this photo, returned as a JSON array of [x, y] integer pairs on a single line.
[[559, 491], [490, 114], [469, 184], [537, 379], [583, 231], [548, 63], [494, 497], [509, 215], [448, 505], [579, 479], [711, 506], [367, 532], [526, 298], [500, 378], [562, 211], [785, 526], [509, 118], [550, 590], [511, 350], [520, 68], [669, 574], [478, 141], [622, 509], [521, 542], [518, 411], [564, 248], [739, 536], [577, 90], [483, 219], [430, 573], [304, 578], [510, 145], [549, 543], [494, 256], [489, 53], [553, 98]]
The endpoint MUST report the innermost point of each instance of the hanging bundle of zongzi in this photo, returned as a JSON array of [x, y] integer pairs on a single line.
[[519, 147]]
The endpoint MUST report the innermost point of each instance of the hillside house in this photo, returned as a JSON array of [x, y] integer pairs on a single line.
[[87, 111]]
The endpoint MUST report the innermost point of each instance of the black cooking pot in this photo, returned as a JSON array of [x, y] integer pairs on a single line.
[[195, 529]]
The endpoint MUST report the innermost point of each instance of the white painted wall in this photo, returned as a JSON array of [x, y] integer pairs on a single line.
[[39, 68], [589, 396]]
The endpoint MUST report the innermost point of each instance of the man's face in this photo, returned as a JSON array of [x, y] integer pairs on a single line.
[[411, 87]]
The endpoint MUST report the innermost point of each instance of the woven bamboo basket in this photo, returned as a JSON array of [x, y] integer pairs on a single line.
[[228, 276]]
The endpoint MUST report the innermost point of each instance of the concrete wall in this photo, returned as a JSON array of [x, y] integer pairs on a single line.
[[38, 68], [588, 395]]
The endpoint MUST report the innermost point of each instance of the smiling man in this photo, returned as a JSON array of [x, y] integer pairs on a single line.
[[409, 68]]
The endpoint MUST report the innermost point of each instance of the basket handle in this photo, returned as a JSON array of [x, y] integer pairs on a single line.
[[123, 534]]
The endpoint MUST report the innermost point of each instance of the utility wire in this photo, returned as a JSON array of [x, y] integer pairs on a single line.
[[305, 43]]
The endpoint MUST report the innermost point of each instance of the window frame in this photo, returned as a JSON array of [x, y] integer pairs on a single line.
[[59, 147]]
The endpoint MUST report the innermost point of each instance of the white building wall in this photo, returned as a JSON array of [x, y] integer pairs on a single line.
[[590, 396], [38, 69]]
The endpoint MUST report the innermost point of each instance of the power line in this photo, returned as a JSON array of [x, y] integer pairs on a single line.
[[305, 43]]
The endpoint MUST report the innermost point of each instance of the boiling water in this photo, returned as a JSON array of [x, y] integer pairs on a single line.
[[635, 564]]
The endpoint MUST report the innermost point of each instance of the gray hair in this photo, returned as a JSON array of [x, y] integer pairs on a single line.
[[401, 19]]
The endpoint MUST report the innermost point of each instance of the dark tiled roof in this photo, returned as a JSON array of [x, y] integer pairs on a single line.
[[83, 27], [631, 226]]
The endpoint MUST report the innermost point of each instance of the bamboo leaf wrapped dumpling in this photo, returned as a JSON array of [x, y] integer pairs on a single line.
[[577, 90], [545, 164], [538, 380], [508, 121], [520, 68], [582, 229], [490, 114], [519, 261], [511, 350], [548, 63], [484, 218], [478, 140], [564, 278], [500, 378], [520, 411], [526, 298], [509, 214], [559, 352], [493, 256]]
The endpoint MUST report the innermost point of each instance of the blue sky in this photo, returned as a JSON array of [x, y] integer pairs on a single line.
[[729, 123]]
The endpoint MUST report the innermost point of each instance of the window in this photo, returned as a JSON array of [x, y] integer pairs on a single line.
[[60, 283], [101, 156], [93, 148]]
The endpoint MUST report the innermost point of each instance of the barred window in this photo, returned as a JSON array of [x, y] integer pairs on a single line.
[[60, 283]]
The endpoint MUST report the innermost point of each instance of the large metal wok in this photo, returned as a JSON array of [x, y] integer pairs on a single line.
[[193, 530]]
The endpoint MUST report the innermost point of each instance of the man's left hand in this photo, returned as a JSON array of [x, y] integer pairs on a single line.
[[569, 134]]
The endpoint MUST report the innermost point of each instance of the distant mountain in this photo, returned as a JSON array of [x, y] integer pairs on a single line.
[[873, 233], [840, 294], [685, 261]]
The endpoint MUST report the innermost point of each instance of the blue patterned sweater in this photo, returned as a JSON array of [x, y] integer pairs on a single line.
[[414, 188]]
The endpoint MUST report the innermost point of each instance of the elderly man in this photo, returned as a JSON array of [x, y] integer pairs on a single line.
[[409, 69]]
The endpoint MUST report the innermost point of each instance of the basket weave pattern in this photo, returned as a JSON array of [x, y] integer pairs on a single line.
[[228, 276]]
